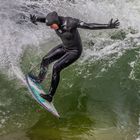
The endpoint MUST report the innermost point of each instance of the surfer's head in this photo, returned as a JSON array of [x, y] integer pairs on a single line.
[[52, 20]]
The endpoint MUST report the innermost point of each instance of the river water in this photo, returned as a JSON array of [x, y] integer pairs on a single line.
[[98, 96]]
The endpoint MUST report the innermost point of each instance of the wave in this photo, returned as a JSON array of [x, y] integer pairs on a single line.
[[100, 83]]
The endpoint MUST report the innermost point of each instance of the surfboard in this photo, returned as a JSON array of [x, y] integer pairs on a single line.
[[35, 90]]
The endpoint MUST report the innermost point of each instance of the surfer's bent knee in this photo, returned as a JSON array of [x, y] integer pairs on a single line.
[[56, 68], [45, 61]]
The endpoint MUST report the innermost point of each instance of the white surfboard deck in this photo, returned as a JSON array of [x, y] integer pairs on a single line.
[[35, 90]]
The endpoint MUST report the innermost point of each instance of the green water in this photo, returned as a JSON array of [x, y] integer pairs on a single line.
[[96, 101]]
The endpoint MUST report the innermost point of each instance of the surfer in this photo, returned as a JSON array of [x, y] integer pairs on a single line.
[[70, 49]]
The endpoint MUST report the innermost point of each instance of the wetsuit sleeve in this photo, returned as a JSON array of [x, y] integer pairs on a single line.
[[97, 26], [35, 19], [41, 19], [92, 26]]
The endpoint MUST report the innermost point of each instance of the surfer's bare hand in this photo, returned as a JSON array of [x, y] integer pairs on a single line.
[[114, 24], [33, 19]]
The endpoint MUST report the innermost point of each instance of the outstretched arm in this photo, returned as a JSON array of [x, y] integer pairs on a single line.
[[35, 19], [96, 26]]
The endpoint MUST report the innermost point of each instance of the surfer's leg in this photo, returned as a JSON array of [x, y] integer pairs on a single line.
[[65, 61], [53, 55]]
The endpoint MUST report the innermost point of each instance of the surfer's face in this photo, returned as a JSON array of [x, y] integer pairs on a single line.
[[54, 26], [52, 20]]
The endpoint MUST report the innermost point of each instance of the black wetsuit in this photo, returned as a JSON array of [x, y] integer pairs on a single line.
[[70, 49], [65, 53]]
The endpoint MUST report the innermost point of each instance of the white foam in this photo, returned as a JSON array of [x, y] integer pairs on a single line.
[[15, 37]]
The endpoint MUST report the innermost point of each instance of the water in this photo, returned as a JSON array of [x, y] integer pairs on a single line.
[[98, 96]]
